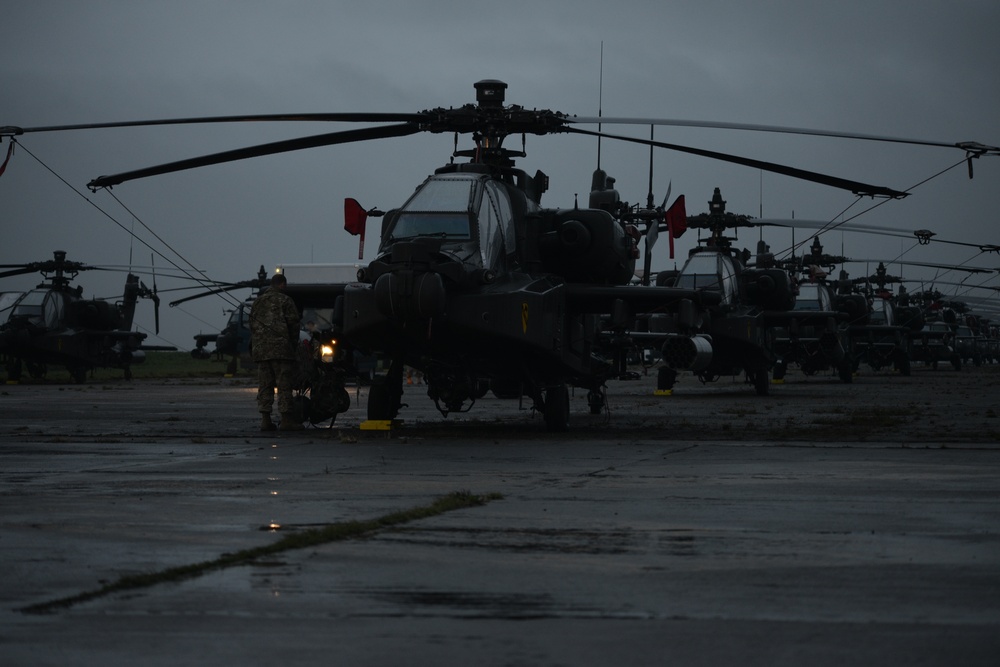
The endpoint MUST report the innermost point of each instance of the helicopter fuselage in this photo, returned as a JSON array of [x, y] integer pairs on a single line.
[[471, 283], [51, 325]]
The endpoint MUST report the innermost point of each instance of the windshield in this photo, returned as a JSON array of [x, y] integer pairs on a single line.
[[439, 209], [709, 271], [808, 298], [879, 308], [31, 304], [7, 300], [442, 194], [812, 297], [496, 228], [700, 272], [438, 225], [470, 213]]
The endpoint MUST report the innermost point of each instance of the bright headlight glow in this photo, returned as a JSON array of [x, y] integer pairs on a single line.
[[326, 353]]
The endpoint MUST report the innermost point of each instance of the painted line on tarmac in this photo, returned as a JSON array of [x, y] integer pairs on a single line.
[[334, 532]]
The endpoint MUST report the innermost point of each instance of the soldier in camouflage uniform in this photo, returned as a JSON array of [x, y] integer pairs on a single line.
[[274, 334]]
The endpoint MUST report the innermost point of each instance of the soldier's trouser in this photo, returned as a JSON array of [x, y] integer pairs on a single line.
[[270, 374]]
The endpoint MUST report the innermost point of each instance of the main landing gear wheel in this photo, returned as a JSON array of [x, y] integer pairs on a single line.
[[384, 397], [761, 381], [556, 408], [780, 368], [596, 400], [845, 369], [14, 367], [902, 363]]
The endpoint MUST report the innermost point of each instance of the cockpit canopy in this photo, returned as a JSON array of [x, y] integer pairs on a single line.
[[710, 271], [470, 214], [813, 296], [41, 307], [7, 302], [881, 312]]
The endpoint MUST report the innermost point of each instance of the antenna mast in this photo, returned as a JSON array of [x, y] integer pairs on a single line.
[[600, 104]]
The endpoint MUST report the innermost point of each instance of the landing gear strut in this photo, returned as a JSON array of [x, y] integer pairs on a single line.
[[385, 396], [555, 408]]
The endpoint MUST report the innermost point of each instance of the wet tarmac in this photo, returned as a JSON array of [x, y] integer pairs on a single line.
[[825, 524]]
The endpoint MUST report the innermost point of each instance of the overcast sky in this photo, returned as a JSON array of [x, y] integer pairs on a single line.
[[919, 69]]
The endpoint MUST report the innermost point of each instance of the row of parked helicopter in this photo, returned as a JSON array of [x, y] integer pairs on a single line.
[[481, 288], [737, 314]]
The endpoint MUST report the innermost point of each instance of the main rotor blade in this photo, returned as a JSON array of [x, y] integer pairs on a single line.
[[856, 187], [930, 265], [831, 226], [222, 290], [11, 130], [227, 287], [47, 267], [273, 148], [970, 146], [18, 272], [824, 227], [935, 282]]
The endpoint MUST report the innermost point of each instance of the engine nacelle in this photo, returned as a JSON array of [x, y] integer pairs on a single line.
[[910, 316], [687, 353], [769, 289], [96, 314], [856, 307], [586, 245], [407, 294]]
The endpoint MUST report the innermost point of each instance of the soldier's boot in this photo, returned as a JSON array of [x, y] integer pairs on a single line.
[[265, 422], [290, 423]]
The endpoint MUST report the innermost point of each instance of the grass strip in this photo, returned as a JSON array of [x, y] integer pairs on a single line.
[[301, 540]]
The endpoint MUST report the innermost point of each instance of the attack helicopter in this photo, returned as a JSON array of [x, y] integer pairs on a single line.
[[474, 279], [835, 347], [886, 329], [737, 334], [974, 334], [907, 331], [54, 324], [817, 346], [881, 336], [935, 343]]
